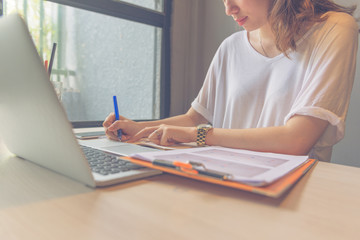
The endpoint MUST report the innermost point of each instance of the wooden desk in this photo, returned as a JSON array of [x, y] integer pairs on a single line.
[[38, 204]]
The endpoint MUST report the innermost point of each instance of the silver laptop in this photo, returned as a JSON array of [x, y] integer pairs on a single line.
[[33, 123]]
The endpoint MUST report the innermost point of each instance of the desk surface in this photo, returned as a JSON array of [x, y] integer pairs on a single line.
[[36, 203]]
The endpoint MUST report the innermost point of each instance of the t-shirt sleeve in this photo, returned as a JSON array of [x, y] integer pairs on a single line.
[[326, 89], [204, 103]]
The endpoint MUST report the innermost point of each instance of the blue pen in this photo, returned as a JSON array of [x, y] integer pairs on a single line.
[[117, 117]]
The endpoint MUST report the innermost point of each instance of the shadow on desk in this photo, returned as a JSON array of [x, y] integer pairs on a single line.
[[23, 182]]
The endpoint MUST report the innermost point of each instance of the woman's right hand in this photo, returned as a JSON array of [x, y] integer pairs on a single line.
[[128, 127]]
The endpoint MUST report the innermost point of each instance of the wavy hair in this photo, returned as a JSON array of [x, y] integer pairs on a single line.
[[288, 17]]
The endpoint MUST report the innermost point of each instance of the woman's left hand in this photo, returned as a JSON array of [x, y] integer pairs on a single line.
[[167, 135]]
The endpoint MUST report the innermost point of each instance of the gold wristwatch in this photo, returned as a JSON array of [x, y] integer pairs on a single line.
[[202, 130]]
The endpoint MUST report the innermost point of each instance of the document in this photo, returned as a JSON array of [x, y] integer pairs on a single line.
[[248, 167]]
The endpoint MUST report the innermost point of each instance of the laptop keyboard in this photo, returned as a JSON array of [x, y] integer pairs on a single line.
[[106, 163]]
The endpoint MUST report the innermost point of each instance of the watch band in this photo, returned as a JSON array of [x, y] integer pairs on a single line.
[[202, 131]]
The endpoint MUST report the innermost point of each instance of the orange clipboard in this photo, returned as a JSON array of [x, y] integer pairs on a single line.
[[275, 189]]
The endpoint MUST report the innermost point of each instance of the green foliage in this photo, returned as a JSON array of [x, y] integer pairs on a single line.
[[37, 14]]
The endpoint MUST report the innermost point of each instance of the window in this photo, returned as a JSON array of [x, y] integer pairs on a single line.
[[104, 48], [150, 4]]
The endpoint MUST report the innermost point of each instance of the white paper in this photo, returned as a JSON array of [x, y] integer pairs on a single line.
[[255, 168]]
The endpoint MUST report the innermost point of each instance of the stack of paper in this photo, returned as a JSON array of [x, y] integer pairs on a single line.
[[248, 167]]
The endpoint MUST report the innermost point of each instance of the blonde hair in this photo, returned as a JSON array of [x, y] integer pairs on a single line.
[[287, 18]]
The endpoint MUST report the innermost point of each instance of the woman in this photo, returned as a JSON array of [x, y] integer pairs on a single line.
[[283, 85]]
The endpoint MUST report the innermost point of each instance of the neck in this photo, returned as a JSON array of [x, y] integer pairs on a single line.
[[266, 33], [263, 41]]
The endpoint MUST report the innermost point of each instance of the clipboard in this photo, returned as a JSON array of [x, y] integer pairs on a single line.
[[274, 190]]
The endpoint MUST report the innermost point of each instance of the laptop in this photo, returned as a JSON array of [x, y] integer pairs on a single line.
[[34, 125]]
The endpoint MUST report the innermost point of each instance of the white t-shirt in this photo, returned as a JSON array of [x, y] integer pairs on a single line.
[[244, 89]]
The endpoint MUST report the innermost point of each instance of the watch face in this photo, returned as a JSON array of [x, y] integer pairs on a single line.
[[204, 125]]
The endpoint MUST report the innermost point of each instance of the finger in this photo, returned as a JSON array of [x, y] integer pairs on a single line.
[[161, 137], [166, 140], [107, 123], [155, 136], [111, 131], [139, 135], [111, 134], [173, 135], [109, 120], [142, 134], [116, 125], [125, 138]]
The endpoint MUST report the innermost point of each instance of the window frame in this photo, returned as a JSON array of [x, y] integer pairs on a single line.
[[137, 14]]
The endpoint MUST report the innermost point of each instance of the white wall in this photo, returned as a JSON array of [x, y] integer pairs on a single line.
[[198, 28], [184, 47]]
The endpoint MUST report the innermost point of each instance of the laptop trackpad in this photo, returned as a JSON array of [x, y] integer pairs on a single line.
[[127, 149]]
